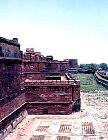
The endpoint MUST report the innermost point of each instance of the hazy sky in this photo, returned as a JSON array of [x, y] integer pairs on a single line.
[[63, 28]]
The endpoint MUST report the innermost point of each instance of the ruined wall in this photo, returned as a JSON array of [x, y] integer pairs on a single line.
[[76, 96], [57, 91], [54, 96], [11, 96], [49, 108], [9, 48], [33, 65], [52, 67], [64, 66]]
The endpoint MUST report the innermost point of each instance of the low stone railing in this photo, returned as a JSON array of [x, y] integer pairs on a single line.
[[51, 82]]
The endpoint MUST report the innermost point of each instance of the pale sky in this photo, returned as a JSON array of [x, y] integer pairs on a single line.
[[62, 28]]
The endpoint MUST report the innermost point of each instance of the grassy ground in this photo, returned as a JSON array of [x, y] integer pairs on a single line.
[[89, 84]]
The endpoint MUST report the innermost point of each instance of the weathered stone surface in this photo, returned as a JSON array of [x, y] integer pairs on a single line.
[[23, 85], [11, 97]]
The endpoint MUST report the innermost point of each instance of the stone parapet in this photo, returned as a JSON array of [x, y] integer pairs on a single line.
[[51, 82], [10, 42]]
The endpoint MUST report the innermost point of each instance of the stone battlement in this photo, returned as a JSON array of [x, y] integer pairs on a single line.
[[10, 42], [34, 57]]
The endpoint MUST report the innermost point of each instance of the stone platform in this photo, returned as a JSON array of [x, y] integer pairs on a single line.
[[89, 124], [78, 126]]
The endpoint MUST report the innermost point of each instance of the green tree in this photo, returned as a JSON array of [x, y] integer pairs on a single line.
[[103, 66]]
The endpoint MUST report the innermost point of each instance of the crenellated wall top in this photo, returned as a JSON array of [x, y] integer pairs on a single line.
[[14, 41]]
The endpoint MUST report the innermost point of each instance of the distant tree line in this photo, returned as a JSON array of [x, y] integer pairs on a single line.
[[91, 68]]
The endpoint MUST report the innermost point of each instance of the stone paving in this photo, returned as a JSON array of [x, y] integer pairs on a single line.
[[84, 125]]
